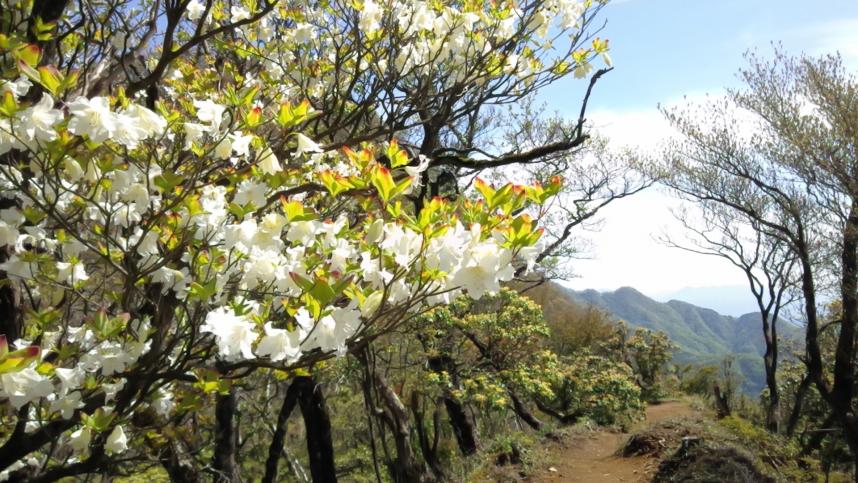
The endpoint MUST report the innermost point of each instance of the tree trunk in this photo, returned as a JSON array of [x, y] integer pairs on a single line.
[[407, 468], [11, 315], [463, 429], [223, 461], [844, 369], [429, 449], [770, 361], [317, 422], [795, 415], [722, 403], [523, 413], [180, 471], [275, 449]]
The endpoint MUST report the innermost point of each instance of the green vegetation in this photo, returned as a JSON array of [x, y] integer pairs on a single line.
[[702, 336], [474, 389]]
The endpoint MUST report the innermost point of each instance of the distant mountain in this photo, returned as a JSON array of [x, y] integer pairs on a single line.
[[732, 300], [702, 335]]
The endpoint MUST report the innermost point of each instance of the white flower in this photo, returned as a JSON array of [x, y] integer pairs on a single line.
[[8, 140], [370, 16], [149, 122], [485, 266], [37, 122], [116, 442], [193, 133], [177, 280], [237, 14], [149, 244], [210, 112], [304, 320], [234, 334], [111, 390], [342, 253], [249, 191], [25, 386], [302, 232], [268, 162], [223, 150], [195, 10], [304, 33], [72, 169], [403, 243], [69, 378], [241, 143], [66, 405], [332, 331], [372, 271], [582, 70], [415, 171], [71, 273], [92, 118], [529, 255], [306, 145], [240, 236], [79, 440], [163, 404], [280, 344], [18, 88]]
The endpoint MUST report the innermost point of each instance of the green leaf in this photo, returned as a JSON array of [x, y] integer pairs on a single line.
[[305, 284], [8, 105], [17, 360], [50, 78], [486, 190], [28, 54], [98, 421], [167, 181], [43, 30], [383, 182], [203, 292], [398, 157]]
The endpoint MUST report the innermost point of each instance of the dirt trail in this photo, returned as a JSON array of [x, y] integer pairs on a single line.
[[591, 458]]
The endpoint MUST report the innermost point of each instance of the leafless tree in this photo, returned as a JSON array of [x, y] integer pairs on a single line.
[[782, 155]]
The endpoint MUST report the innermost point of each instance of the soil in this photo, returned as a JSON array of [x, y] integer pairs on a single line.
[[593, 457]]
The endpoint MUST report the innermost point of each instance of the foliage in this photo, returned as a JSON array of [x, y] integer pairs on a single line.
[[203, 202], [647, 353], [596, 387], [498, 346]]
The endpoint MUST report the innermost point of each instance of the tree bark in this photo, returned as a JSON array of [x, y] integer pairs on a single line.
[[223, 461], [429, 449], [463, 429], [844, 366], [770, 362], [795, 415], [179, 471], [522, 412], [722, 403], [11, 315], [407, 468], [275, 449], [317, 422]]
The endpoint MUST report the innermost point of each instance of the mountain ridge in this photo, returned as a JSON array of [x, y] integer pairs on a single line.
[[702, 335]]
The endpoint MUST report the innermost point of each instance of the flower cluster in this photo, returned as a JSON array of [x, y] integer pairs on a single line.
[[164, 241]]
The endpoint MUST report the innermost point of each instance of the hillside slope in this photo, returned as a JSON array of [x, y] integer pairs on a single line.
[[703, 336]]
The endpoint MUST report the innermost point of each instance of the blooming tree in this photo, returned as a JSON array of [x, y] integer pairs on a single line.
[[192, 192]]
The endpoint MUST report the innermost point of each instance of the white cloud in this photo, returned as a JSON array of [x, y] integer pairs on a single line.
[[625, 251], [827, 37]]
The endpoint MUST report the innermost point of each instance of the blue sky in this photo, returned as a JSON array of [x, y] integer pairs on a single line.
[[664, 50]]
